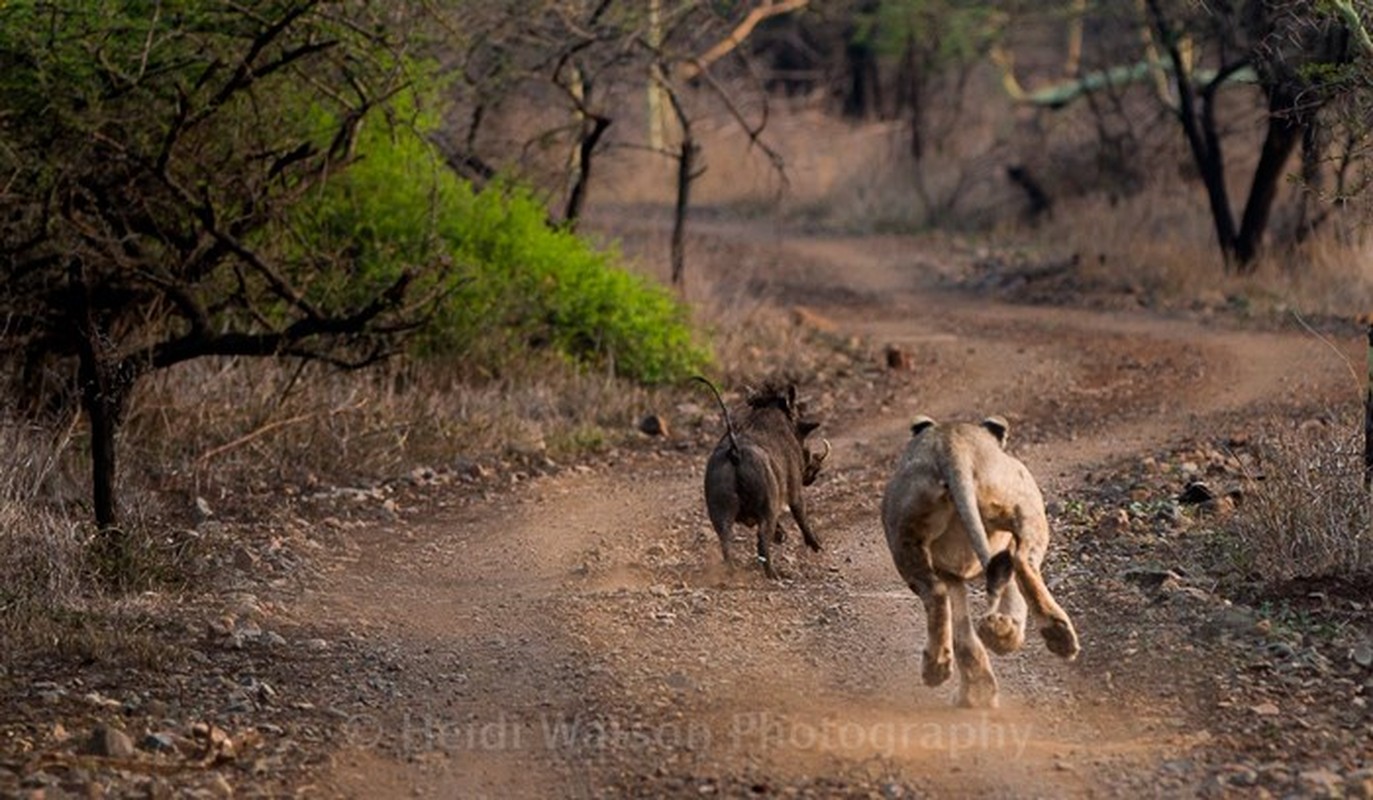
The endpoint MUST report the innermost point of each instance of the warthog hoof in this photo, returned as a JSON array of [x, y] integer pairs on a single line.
[[1000, 633], [1060, 638], [937, 669]]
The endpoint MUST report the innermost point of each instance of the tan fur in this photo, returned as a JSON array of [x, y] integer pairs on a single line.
[[955, 502]]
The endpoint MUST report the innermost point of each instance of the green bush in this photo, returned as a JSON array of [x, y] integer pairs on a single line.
[[513, 283]]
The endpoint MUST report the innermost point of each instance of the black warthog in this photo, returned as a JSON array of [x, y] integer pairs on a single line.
[[758, 468]]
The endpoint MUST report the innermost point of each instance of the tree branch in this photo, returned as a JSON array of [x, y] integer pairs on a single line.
[[693, 67]]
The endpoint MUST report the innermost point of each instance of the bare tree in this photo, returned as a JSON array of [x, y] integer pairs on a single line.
[[1295, 49], [151, 166], [587, 57]]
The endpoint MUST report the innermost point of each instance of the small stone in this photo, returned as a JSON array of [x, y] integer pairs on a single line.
[[1196, 493], [158, 743], [1359, 784], [1238, 775], [808, 318], [109, 742], [1363, 655], [1152, 577], [1115, 523], [471, 470], [654, 425], [219, 786], [1266, 709], [1321, 783], [897, 359], [244, 559]]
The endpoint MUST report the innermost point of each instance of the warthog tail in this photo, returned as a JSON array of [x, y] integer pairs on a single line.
[[729, 423]]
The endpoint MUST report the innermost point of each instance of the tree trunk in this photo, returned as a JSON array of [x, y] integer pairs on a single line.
[[1285, 125], [1368, 417], [1202, 137], [686, 173], [103, 389], [863, 96], [592, 130], [1314, 140], [1211, 165], [103, 413]]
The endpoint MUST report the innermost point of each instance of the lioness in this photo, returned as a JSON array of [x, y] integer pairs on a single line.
[[957, 497]]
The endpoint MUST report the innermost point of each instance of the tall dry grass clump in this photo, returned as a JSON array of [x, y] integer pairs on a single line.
[[42, 547], [1310, 517], [240, 428]]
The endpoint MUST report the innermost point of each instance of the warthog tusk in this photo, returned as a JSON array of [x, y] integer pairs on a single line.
[[827, 449]]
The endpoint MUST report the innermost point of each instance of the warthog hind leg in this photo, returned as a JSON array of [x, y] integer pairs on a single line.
[[765, 533], [798, 512]]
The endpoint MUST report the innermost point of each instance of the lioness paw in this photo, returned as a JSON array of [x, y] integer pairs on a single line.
[[1060, 638], [978, 694], [937, 669], [1000, 633]]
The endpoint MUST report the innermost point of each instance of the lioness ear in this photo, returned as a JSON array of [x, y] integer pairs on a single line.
[[804, 429], [999, 428], [921, 423]]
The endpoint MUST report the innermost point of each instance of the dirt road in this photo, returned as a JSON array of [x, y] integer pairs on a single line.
[[576, 635]]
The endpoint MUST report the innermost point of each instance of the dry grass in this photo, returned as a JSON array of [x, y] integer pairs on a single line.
[[1310, 517], [60, 596], [42, 548], [212, 428], [1161, 242]]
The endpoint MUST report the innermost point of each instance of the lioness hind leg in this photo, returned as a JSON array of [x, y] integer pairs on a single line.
[[913, 562], [1003, 627], [937, 658], [1054, 624], [976, 682]]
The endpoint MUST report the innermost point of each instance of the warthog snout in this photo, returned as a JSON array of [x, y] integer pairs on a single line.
[[813, 463]]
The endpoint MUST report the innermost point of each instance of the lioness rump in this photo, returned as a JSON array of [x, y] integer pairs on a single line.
[[955, 498], [757, 471]]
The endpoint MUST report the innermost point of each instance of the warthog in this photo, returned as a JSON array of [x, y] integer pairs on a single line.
[[758, 468]]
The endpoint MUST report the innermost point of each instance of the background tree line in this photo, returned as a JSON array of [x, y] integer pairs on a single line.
[[341, 180]]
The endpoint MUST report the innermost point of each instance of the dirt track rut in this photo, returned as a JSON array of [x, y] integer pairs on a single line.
[[578, 637]]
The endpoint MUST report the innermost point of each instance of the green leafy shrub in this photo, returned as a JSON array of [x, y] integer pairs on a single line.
[[514, 284]]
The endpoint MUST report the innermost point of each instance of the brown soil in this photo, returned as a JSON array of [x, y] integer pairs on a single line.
[[578, 636], [571, 632]]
